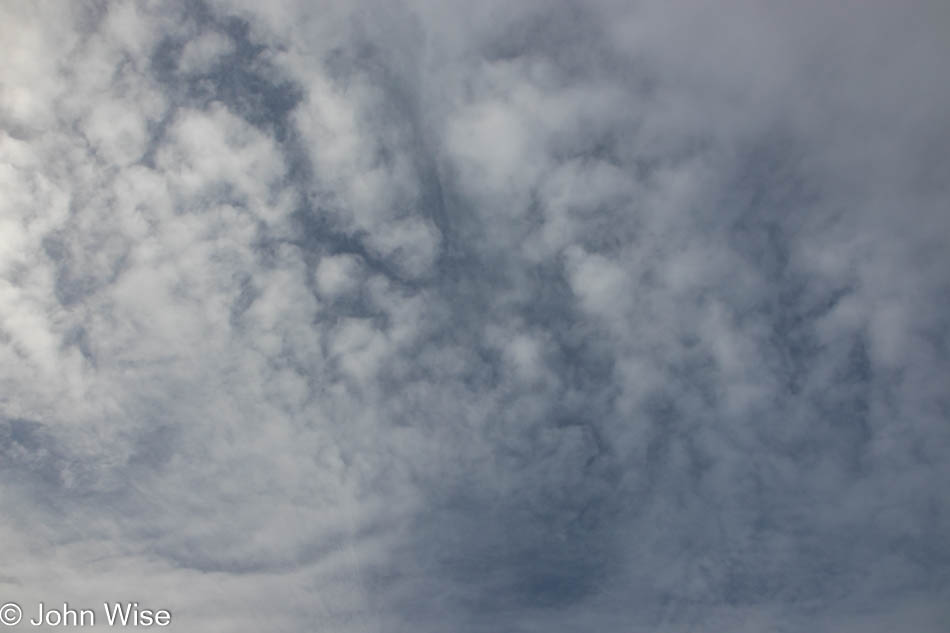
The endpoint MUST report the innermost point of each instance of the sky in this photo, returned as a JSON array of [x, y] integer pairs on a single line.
[[494, 317]]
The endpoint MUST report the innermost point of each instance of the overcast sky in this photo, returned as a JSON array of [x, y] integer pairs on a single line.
[[417, 316]]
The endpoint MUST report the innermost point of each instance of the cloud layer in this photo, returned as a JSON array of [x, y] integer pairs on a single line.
[[521, 317]]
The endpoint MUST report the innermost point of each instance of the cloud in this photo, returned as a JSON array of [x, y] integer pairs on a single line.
[[202, 53], [428, 317]]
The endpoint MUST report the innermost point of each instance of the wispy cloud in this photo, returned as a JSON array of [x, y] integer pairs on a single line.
[[519, 316]]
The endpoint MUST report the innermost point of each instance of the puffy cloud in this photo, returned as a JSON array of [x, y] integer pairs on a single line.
[[428, 317], [203, 52]]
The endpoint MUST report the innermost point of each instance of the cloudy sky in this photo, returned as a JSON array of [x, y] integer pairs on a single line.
[[478, 317]]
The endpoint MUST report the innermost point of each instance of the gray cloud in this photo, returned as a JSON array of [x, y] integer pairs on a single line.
[[431, 317]]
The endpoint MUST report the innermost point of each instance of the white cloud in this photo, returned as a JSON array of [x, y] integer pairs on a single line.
[[202, 53], [416, 317], [338, 274]]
